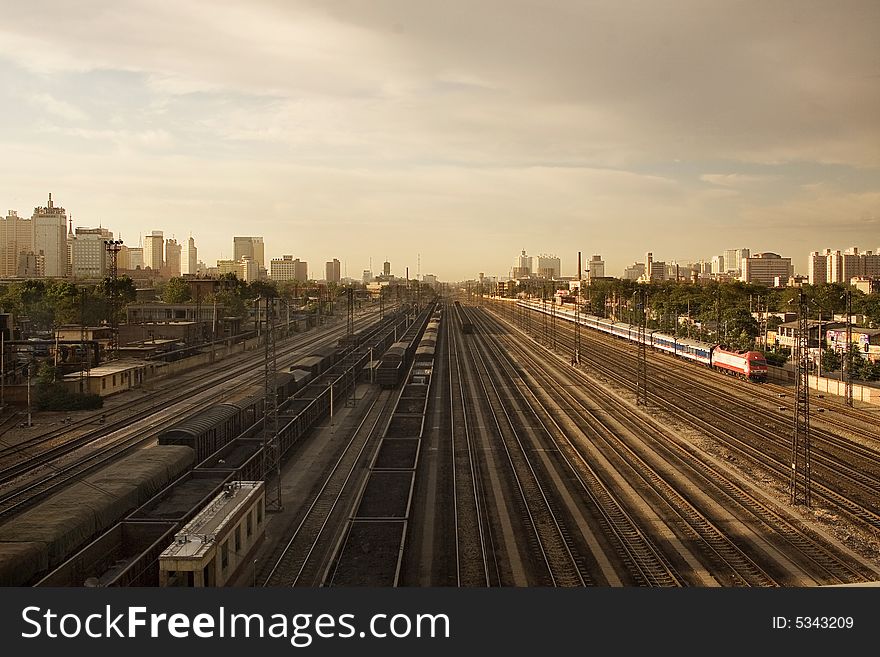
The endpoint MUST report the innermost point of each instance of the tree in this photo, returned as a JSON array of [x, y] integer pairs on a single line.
[[265, 289], [176, 291], [831, 360]]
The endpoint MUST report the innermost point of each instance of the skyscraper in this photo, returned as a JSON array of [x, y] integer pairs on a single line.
[[817, 270], [523, 266], [596, 267], [386, 268], [16, 237], [251, 247], [154, 251], [50, 238], [733, 260], [172, 257], [189, 261], [332, 273]]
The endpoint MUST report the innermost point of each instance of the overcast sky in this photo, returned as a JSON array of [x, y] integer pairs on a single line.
[[463, 130]]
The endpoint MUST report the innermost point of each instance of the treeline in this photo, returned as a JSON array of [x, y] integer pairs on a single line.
[[717, 311]]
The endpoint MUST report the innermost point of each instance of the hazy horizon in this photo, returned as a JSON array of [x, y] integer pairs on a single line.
[[460, 133]]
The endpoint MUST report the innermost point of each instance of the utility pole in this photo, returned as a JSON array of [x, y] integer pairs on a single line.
[[642, 371], [271, 459], [113, 247], [800, 447], [576, 359], [848, 359], [349, 327]]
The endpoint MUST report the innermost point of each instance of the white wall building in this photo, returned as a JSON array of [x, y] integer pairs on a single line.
[[154, 251], [88, 254]]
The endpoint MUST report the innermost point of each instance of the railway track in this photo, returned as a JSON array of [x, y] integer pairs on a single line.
[[122, 415], [299, 562], [131, 437], [475, 557], [550, 542], [643, 560], [726, 555], [734, 431]]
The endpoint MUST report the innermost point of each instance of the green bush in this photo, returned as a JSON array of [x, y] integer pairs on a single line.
[[777, 358], [55, 397]]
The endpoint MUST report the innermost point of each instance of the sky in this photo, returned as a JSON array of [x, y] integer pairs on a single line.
[[449, 136]]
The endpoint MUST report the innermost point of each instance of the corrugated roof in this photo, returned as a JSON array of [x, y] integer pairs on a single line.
[[200, 423]]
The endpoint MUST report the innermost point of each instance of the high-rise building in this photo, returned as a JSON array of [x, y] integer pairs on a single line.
[[16, 237], [251, 247], [288, 269], [333, 273], [733, 260], [248, 269], [766, 268], [172, 257], [136, 257], [718, 265], [228, 267], [547, 266], [386, 269], [367, 276], [843, 267], [50, 238], [189, 260], [523, 266], [817, 267], [655, 270], [634, 272], [88, 253], [596, 267], [154, 251]]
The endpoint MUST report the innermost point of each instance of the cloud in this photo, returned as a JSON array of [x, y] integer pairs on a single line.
[[736, 179], [58, 108]]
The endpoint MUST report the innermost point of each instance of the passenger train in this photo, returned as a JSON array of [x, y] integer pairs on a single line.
[[750, 365]]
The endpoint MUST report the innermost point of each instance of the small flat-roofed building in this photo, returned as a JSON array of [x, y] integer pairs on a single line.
[[218, 540], [786, 333], [108, 379]]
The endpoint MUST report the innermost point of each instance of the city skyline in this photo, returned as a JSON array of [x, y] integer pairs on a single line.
[[612, 131]]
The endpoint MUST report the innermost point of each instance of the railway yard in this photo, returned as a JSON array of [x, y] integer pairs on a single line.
[[454, 444]]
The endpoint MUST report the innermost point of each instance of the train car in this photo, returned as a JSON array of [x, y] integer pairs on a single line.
[[464, 319], [310, 364], [701, 352], [249, 403], [664, 342], [392, 364], [45, 535], [424, 354], [206, 432], [751, 365]]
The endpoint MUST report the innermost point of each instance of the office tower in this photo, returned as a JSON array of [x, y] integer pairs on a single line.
[[16, 237], [154, 251], [765, 268], [88, 253], [50, 238], [189, 260], [172, 257], [332, 273], [251, 247], [596, 267]]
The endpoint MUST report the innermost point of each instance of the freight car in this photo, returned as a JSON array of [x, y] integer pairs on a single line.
[[43, 536], [463, 318]]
